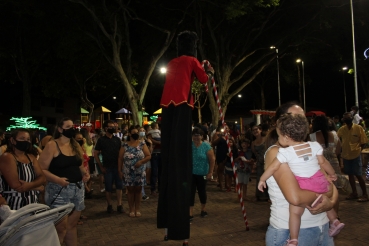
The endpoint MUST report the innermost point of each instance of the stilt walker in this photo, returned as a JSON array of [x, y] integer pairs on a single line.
[[176, 150]]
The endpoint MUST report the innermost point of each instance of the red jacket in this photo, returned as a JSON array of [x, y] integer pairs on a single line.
[[179, 78]]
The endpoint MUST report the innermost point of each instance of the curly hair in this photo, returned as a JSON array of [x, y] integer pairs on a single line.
[[294, 126]]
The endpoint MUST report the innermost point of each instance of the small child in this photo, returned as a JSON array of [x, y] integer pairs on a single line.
[[155, 132], [244, 166], [305, 160], [228, 170]]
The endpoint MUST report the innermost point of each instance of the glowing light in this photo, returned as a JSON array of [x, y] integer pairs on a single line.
[[272, 47], [344, 68], [24, 123], [154, 117], [298, 60], [366, 53], [163, 70], [239, 95]]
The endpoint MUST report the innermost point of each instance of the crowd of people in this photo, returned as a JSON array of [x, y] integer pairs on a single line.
[[55, 169]]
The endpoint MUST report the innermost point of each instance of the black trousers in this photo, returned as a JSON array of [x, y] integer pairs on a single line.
[[175, 185], [199, 183]]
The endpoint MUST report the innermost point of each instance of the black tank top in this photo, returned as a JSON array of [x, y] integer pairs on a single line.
[[66, 166]]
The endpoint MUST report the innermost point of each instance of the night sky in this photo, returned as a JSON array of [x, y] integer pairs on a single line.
[[324, 54]]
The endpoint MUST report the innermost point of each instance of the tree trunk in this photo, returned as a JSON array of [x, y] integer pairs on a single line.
[[199, 111], [26, 110], [262, 95]]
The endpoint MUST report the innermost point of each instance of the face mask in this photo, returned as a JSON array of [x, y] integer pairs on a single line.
[[142, 134], [80, 142], [22, 145], [134, 136], [68, 133], [111, 130], [125, 138]]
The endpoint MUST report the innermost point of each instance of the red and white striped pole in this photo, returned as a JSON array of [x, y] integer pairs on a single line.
[[207, 63]]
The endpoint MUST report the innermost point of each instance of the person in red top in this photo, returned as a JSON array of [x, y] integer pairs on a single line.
[[176, 149]]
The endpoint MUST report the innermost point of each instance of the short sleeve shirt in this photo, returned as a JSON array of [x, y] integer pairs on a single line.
[[200, 160], [109, 148], [352, 139]]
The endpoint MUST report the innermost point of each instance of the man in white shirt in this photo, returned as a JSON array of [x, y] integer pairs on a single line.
[[355, 115]]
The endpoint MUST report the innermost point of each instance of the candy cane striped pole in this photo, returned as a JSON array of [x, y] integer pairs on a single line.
[[207, 63]]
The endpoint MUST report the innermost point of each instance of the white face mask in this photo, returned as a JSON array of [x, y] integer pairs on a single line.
[[125, 138], [142, 134]]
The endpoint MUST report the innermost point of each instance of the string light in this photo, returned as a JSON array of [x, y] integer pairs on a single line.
[[24, 123]]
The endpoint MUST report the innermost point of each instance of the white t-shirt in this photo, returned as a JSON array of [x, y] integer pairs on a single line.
[[303, 166], [279, 214], [356, 119], [155, 133]]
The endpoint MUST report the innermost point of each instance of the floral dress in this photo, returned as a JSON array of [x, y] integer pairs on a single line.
[[133, 176]]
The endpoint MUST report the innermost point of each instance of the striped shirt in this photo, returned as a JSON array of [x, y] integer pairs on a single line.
[[16, 199]]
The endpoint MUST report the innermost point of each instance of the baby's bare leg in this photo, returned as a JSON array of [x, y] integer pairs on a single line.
[[295, 221]]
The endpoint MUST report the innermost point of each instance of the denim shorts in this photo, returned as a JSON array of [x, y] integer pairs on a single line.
[[111, 176], [69, 194], [313, 236], [353, 167]]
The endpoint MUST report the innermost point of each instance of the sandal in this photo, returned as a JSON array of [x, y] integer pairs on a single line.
[[132, 214], [138, 214], [352, 197], [335, 228], [363, 199]]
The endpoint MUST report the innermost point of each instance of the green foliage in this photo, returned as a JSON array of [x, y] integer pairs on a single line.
[[238, 8], [197, 87]]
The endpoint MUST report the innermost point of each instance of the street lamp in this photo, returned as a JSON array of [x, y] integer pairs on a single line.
[[279, 87], [354, 54], [344, 86], [163, 70], [303, 79]]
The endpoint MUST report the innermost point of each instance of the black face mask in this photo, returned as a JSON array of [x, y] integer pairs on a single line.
[[68, 133], [22, 145], [80, 142], [111, 130], [134, 136]]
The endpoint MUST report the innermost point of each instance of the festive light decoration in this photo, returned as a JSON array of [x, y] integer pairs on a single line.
[[154, 117], [24, 123], [205, 62]]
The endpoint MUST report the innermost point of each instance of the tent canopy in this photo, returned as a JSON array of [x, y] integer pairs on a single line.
[[123, 111], [157, 111], [314, 113], [84, 111], [103, 109]]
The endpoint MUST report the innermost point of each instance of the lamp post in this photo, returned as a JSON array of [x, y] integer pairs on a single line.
[[279, 86], [354, 54], [303, 79], [344, 86]]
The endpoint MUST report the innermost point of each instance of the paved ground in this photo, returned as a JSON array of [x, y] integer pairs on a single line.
[[223, 226]]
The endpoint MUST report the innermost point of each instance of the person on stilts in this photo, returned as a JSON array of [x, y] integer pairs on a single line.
[[176, 149]]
